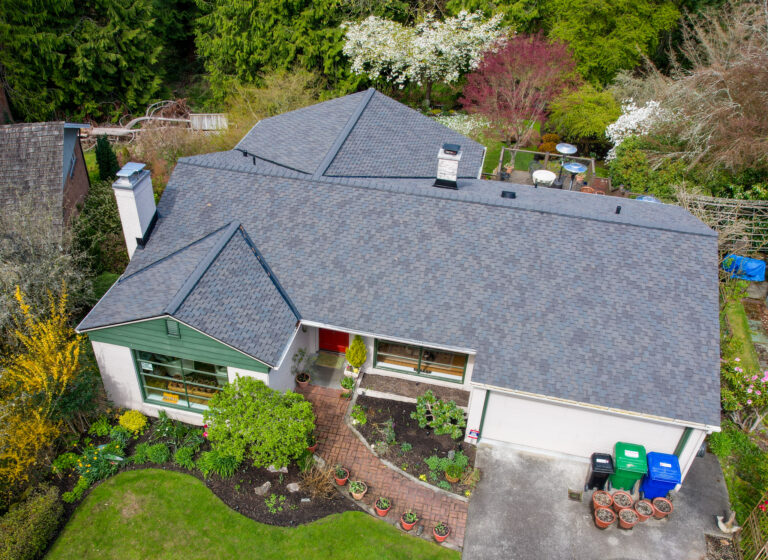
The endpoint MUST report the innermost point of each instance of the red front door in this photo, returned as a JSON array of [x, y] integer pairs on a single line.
[[333, 341]]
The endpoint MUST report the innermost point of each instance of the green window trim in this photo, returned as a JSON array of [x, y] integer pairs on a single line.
[[418, 362]]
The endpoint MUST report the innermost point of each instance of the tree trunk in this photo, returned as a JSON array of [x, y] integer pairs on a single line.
[[428, 95], [758, 420]]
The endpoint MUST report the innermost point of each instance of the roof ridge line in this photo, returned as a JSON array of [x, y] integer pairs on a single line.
[[169, 255], [330, 155], [201, 268], [455, 196], [270, 273]]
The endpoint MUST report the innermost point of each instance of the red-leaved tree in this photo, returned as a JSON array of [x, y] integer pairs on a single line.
[[512, 86]]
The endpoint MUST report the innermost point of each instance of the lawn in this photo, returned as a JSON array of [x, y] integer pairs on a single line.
[[742, 340], [163, 514], [90, 164]]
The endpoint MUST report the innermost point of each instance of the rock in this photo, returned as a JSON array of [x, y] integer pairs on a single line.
[[305, 500], [273, 469], [263, 489], [293, 487], [419, 530], [451, 454]]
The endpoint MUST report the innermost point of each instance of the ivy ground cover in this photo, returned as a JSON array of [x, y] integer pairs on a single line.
[[159, 514]]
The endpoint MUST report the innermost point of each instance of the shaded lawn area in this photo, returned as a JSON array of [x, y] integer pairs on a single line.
[[742, 340], [152, 513], [90, 164]]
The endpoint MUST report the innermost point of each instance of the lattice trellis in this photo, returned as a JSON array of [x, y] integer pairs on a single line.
[[753, 540], [742, 224]]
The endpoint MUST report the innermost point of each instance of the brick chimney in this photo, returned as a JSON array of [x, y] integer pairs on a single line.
[[448, 166], [136, 204]]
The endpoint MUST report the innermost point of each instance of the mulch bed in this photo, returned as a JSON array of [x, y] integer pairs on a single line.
[[719, 548], [412, 389], [425, 443]]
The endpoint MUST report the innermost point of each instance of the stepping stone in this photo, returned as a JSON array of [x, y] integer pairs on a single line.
[[273, 469], [263, 489], [293, 487], [305, 500]]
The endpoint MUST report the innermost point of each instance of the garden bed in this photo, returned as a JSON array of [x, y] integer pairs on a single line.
[[412, 389], [420, 443]]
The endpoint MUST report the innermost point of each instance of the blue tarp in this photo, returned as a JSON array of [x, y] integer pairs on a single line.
[[744, 268]]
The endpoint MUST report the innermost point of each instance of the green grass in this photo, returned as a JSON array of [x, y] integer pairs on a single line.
[[742, 340], [103, 282], [493, 150], [90, 163], [163, 514]]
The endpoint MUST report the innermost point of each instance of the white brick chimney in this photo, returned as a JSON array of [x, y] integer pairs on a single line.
[[136, 204], [448, 159]]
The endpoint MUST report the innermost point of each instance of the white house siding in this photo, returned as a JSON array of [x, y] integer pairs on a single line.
[[281, 377], [233, 373], [122, 385], [571, 430]]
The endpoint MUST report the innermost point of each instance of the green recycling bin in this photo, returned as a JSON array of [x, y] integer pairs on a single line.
[[630, 463]]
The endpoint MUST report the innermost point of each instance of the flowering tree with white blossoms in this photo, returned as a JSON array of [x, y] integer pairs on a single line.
[[463, 124], [634, 121], [431, 51]]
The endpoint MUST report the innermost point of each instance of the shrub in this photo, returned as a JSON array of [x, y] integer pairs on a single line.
[[134, 421], [358, 415], [97, 463], [249, 420], [26, 529], [120, 435], [175, 434], [140, 454], [100, 427], [357, 353], [446, 417], [438, 465], [184, 457], [158, 453], [216, 462], [105, 158], [720, 444], [64, 462], [77, 492]]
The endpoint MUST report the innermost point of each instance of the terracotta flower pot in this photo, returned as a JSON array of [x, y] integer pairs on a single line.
[[380, 511], [302, 383], [407, 526], [451, 479], [628, 518], [439, 537], [621, 500], [604, 517], [644, 510], [312, 448], [601, 498], [341, 481], [359, 495], [662, 507]]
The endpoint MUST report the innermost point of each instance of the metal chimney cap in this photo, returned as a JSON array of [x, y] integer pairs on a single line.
[[131, 168], [451, 149]]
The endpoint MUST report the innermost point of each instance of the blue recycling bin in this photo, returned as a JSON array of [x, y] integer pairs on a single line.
[[662, 477]]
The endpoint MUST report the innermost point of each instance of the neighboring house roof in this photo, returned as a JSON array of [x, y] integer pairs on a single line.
[[219, 284], [557, 294], [37, 157], [365, 134]]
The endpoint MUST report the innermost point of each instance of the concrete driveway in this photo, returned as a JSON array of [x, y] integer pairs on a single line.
[[520, 510]]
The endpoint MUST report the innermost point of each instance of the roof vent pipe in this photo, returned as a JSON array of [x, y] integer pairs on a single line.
[[135, 203], [448, 166], [618, 209]]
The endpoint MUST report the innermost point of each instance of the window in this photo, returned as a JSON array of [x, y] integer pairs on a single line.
[[166, 380], [421, 361]]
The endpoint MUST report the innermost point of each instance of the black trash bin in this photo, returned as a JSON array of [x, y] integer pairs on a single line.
[[600, 468]]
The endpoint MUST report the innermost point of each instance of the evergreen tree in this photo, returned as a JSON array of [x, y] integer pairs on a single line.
[[106, 158]]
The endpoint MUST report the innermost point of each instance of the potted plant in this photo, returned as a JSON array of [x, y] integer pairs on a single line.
[[408, 519], [604, 517], [453, 473], [601, 498], [302, 362], [441, 532], [382, 506], [628, 518], [312, 443], [644, 509], [662, 507], [621, 500], [340, 474], [358, 488], [356, 354], [347, 383]]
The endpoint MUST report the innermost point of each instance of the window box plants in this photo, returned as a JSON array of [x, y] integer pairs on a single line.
[[382, 506], [621, 500], [408, 519], [644, 509], [453, 473], [358, 488], [628, 518], [340, 474], [441, 531], [312, 443], [662, 507], [604, 517]]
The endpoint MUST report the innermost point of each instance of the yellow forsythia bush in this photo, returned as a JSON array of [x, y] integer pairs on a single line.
[[134, 421]]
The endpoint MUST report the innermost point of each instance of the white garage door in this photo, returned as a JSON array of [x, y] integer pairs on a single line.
[[570, 430]]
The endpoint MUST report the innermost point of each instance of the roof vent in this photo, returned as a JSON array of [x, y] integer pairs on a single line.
[[618, 209], [448, 166], [508, 194]]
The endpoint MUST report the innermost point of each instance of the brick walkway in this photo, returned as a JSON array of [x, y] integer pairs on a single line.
[[339, 445]]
